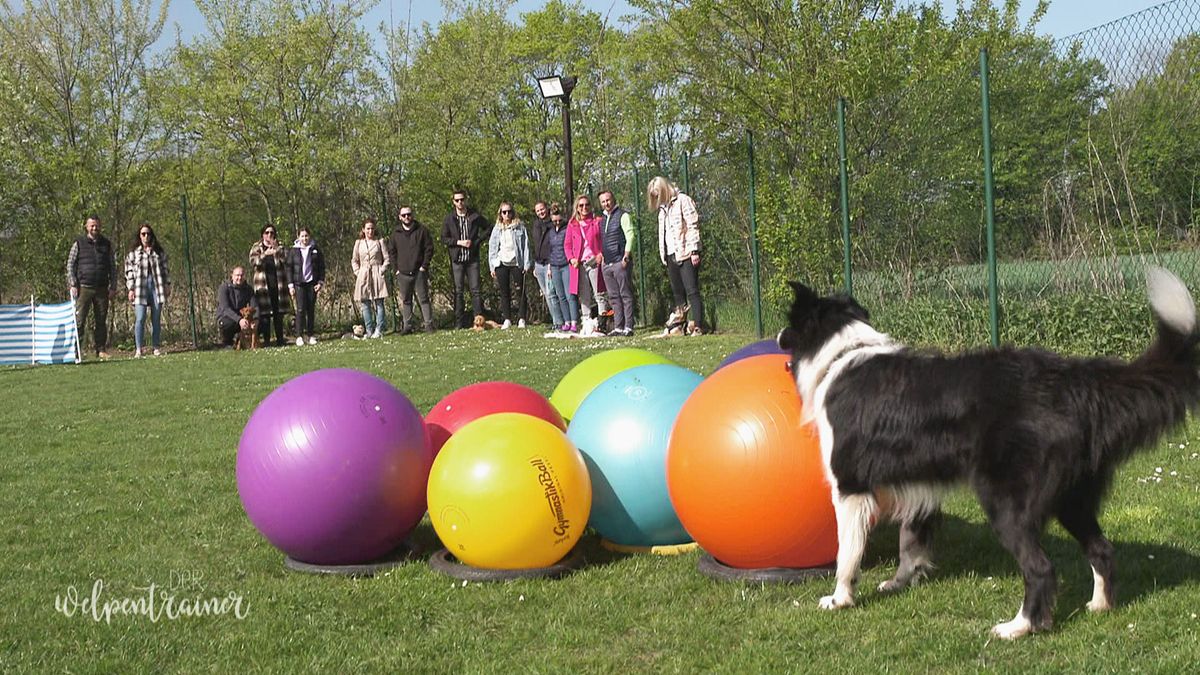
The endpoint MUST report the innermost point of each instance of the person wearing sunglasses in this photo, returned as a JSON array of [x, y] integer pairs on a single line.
[[509, 259], [268, 260], [411, 250], [584, 254], [463, 232], [149, 286]]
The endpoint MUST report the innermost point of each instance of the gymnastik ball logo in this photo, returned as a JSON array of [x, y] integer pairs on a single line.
[[553, 497], [183, 597]]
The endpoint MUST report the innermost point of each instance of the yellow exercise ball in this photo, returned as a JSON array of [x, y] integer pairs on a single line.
[[509, 491]]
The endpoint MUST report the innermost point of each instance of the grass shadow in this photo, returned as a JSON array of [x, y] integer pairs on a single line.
[[963, 548]]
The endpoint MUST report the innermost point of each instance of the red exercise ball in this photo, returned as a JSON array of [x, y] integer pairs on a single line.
[[745, 475], [485, 398]]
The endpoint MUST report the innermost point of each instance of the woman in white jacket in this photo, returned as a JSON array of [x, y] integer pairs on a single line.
[[679, 247]]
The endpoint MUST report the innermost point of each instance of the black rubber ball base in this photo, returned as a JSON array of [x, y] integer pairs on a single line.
[[442, 561], [405, 552], [715, 569]]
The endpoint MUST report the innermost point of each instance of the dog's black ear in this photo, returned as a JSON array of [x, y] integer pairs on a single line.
[[803, 294], [787, 340], [856, 310], [804, 304]]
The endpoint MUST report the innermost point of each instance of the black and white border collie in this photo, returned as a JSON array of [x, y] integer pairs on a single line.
[[1034, 434]]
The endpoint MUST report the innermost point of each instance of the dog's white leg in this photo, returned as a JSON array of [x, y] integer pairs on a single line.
[[1100, 595], [1020, 626], [854, 523]]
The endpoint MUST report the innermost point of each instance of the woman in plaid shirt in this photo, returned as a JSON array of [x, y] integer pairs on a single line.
[[679, 247], [149, 286]]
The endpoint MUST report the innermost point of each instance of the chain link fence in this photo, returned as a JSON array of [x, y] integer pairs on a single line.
[[1096, 155]]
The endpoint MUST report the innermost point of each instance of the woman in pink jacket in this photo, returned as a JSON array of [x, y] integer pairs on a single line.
[[582, 246]]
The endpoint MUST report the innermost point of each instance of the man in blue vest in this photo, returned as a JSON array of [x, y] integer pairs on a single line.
[[92, 279], [617, 239]]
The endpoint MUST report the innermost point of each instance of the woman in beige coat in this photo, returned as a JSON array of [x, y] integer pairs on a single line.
[[369, 261]]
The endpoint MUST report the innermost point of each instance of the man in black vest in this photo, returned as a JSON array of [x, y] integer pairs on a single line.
[[463, 232], [617, 239], [92, 278]]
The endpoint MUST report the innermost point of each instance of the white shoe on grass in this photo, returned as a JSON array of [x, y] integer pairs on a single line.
[[299, 342], [506, 325], [521, 323], [312, 339]]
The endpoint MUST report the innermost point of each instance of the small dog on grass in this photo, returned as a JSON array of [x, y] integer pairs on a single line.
[[481, 323], [677, 321], [248, 336], [1034, 434]]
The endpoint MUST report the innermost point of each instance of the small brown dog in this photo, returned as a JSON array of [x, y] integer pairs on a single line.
[[483, 324], [248, 336]]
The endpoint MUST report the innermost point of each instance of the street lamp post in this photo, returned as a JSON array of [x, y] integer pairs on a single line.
[[557, 86]]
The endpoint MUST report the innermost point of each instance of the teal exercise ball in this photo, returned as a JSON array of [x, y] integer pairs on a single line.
[[622, 428]]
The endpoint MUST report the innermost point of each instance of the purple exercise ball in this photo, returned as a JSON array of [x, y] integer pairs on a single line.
[[332, 467], [753, 349]]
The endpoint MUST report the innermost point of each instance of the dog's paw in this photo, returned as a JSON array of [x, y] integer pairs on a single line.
[[891, 586], [835, 602], [1011, 630], [1098, 605]]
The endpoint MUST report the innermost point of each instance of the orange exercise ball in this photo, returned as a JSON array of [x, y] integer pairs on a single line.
[[745, 475]]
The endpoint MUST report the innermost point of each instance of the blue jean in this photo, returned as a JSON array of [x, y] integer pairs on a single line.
[[568, 304], [139, 325], [550, 292], [372, 321]]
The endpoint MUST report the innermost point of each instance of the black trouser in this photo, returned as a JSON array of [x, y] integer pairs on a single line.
[[417, 284], [509, 279], [306, 305], [685, 286], [264, 329], [229, 330], [466, 275], [93, 297]]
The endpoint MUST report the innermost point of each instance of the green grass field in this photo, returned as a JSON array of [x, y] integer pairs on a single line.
[[123, 472]]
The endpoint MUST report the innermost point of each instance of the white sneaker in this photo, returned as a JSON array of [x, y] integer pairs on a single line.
[[312, 339], [299, 342], [137, 354], [506, 325], [521, 323], [376, 335], [158, 352]]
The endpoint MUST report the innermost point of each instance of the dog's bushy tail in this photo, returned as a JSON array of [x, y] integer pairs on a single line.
[[1155, 392], [1175, 313]]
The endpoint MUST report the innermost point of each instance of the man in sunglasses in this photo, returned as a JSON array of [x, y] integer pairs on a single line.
[[411, 250], [463, 231]]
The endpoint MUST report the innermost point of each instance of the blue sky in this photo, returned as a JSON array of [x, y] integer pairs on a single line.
[[1064, 17]]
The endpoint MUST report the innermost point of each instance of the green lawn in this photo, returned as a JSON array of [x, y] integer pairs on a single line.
[[124, 472]]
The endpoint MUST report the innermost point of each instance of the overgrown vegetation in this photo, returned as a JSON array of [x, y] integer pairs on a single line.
[[295, 113]]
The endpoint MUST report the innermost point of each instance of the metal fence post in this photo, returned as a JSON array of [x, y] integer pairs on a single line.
[[758, 319], [637, 214], [843, 176], [989, 203], [187, 249]]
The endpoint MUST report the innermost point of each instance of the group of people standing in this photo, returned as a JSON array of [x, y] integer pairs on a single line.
[[582, 263]]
